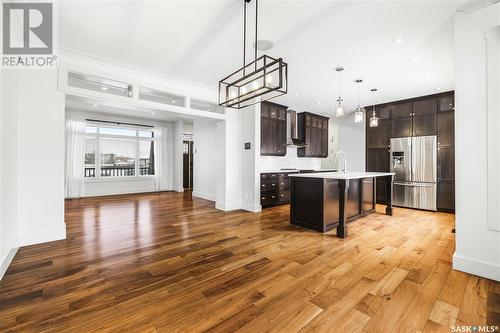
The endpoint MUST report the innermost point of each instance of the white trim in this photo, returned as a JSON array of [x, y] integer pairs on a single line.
[[6, 260], [179, 189], [227, 207], [251, 208], [476, 267], [41, 237], [206, 196]]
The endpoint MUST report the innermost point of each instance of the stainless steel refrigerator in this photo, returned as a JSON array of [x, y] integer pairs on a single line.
[[414, 162]]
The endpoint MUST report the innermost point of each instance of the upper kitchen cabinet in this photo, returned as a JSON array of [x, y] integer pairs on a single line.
[[446, 129], [446, 102], [425, 106], [414, 118], [272, 129], [402, 110], [380, 136], [313, 131]]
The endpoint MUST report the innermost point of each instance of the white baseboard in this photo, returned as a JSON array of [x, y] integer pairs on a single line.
[[41, 237], [227, 207], [476, 267], [6, 260], [251, 207], [206, 196], [179, 189]]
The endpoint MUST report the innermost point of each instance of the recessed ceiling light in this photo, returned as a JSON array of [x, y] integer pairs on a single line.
[[428, 76], [398, 40], [295, 94], [104, 88], [152, 113], [319, 102], [173, 101], [95, 105], [438, 88], [415, 60]]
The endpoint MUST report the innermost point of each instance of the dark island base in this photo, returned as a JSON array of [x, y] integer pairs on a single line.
[[323, 204]]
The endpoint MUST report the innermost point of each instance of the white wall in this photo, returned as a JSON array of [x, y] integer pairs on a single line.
[[205, 159], [477, 247], [229, 151], [188, 127], [250, 158], [34, 171], [290, 160], [349, 137]]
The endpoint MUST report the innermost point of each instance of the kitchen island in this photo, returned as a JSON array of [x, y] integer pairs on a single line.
[[332, 199]]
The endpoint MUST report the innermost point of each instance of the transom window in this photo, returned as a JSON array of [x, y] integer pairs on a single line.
[[118, 150]]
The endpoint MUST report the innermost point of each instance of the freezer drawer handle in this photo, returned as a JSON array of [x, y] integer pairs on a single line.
[[414, 185]]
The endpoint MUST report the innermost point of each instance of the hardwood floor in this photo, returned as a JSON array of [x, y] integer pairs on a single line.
[[166, 263]]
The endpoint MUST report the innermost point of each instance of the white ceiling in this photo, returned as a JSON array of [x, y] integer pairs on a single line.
[[86, 104], [201, 41]]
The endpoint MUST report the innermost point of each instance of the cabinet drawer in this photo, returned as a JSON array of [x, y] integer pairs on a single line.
[[268, 176], [268, 185], [268, 197], [284, 184], [284, 196]]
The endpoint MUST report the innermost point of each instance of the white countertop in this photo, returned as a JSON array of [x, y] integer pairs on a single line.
[[297, 170], [341, 175]]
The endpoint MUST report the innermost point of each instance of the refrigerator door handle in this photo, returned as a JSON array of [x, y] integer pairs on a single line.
[[422, 185]]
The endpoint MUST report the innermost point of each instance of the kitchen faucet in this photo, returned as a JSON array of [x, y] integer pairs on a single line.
[[345, 160]]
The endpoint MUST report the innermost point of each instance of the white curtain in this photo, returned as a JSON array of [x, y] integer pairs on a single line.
[[160, 158], [75, 151]]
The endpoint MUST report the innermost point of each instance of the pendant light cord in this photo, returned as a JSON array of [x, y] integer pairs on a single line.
[[256, 25], [340, 87], [244, 34]]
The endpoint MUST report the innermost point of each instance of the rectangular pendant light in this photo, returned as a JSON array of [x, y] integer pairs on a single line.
[[260, 80]]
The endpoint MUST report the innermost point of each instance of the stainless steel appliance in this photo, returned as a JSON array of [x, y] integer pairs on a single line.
[[414, 162]]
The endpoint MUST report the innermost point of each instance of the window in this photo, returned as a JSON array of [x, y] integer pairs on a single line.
[[118, 151]]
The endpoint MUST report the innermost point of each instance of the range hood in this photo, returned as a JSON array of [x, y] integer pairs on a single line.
[[291, 130]]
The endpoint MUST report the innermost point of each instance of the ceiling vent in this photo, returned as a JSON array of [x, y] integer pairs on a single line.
[[96, 83], [198, 104], [157, 96]]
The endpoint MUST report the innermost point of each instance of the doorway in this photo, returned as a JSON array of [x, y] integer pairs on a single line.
[[187, 162]]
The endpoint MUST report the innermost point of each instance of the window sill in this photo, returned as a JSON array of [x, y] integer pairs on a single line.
[[117, 179]]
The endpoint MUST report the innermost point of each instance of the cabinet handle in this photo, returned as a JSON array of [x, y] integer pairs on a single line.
[[263, 198], [282, 195], [273, 184], [263, 185], [273, 196]]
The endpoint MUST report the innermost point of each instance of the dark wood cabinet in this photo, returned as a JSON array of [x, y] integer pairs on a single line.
[[380, 136], [272, 129], [446, 129], [446, 103], [424, 125], [425, 106], [446, 196], [401, 110], [401, 127], [274, 188], [429, 115], [378, 160], [313, 130], [446, 163]]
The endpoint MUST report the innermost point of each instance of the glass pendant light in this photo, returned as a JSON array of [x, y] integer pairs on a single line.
[[339, 111], [374, 118], [358, 115]]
